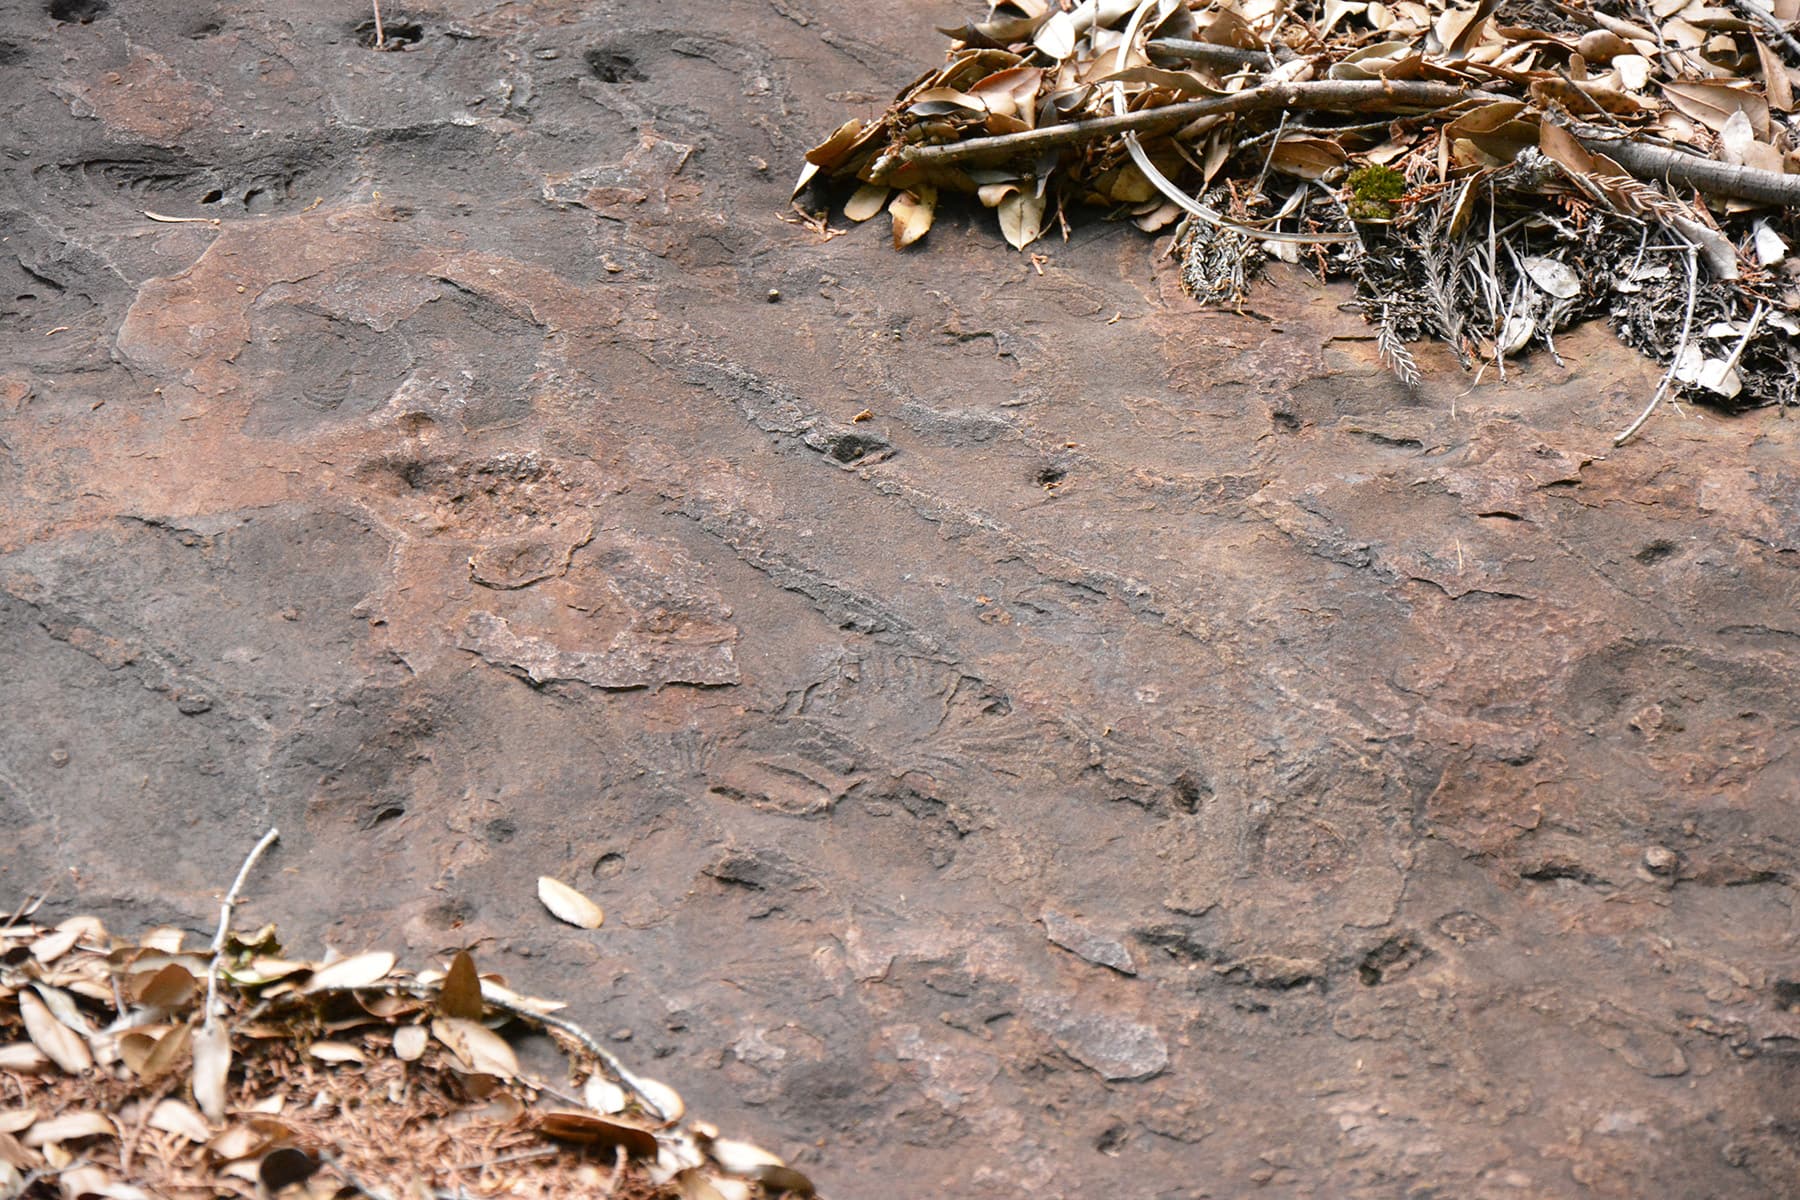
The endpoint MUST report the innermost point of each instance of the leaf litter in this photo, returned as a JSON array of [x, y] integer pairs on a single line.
[[1484, 174], [133, 1069]]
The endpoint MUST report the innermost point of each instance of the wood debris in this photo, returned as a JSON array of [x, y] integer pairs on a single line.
[[1486, 174]]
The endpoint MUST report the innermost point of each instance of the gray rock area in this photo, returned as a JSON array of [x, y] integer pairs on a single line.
[[445, 488]]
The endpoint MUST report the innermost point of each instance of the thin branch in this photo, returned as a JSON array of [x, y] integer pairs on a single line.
[[1218, 56], [1690, 170], [1687, 324], [218, 942], [1348, 95], [380, 36]]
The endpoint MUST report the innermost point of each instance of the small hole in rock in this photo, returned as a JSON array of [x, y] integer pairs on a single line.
[[1655, 552], [81, 11], [1049, 476], [609, 66], [847, 448], [502, 829], [212, 197], [400, 33], [390, 812]]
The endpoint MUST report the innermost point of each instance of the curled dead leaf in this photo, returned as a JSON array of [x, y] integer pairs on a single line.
[[912, 212], [481, 1050], [212, 1068]]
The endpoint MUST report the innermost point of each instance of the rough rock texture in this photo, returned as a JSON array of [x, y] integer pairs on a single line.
[[461, 502]]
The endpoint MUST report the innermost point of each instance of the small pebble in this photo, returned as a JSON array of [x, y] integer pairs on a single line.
[[621, 1035], [774, 295], [59, 757], [1661, 859]]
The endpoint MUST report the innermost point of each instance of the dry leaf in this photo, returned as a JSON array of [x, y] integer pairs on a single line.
[[212, 1067], [1776, 85], [409, 1042], [868, 200], [53, 946], [63, 1045], [1307, 157], [481, 1050], [912, 212], [603, 1095], [568, 904], [24, 1058], [170, 987], [1056, 37], [658, 1095], [69, 1127], [588, 1129], [1021, 218], [337, 1052], [13, 1120], [1712, 104], [460, 993], [694, 1185], [172, 1116], [1553, 276], [741, 1158], [167, 1054], [361, 970]]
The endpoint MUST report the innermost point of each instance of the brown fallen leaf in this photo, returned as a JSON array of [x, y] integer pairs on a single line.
[[170, 1049], [912, 212], [589, 1129], [170, 987], [460, 993]]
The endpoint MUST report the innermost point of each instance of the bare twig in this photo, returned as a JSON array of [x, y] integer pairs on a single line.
[[1774, 28], [380, 35], [1687, 324], [154, 216], [1218, 56], [1690, 170], [1341, 95], [218, 942]]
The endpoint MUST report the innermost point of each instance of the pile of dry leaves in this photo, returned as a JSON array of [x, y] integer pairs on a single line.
[[1486, 174], [145, 1068]]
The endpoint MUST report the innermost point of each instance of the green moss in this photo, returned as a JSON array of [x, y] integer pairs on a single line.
[[1373, 191]]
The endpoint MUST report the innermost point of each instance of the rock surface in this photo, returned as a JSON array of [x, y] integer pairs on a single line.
[[451, 495]]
